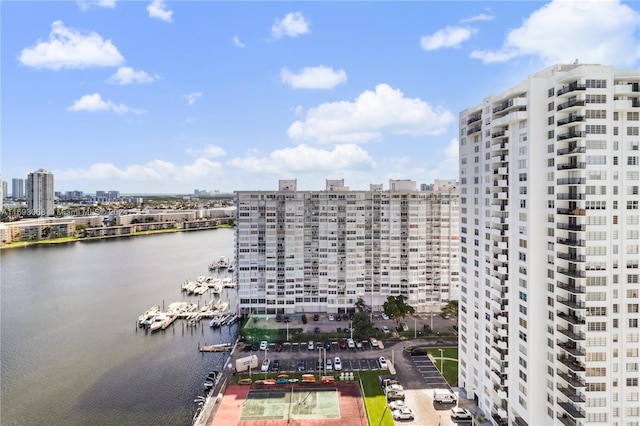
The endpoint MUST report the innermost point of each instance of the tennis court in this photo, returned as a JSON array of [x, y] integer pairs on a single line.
[[335, 404]]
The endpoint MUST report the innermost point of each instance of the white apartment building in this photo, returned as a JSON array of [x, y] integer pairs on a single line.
[[549, 218], [319, 251], [40, 201]]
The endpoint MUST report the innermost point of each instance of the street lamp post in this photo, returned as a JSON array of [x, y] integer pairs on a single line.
[[415, 328], [287, 322], [441, 360], [351, 328]]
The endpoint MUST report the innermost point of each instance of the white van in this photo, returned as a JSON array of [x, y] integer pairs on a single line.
[[444, 396]]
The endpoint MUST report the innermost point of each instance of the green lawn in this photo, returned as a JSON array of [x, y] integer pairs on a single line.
[[375, 402], [450, 367]]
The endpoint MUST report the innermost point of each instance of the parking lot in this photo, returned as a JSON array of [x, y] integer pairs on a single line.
[[432, 377]]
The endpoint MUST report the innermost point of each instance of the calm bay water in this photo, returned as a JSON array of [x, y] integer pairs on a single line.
[[71, 353]]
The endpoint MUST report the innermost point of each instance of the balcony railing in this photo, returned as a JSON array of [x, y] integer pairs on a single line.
[[572, 348], [571, 119], [571, 393], [572, 257], [474, 129], [573, 304], [571, 165], [571, 334], [570, 196], [572, 319], [571, 135], [474, 118], [499, 134], [574, 150], [572, 363], [569, 104], [571, 226], [577, 289], [570, 88], [572, 410], [566, 420], [571, 242], [573, 380], [574, 273], [571, 181]]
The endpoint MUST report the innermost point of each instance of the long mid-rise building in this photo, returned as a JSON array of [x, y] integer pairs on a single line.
[[549, 181], [40, 199], [319, 251]]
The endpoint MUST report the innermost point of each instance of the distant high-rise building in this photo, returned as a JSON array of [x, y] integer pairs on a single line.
[[40, 200], [549, 283], [17, 188], [5, 189], [320, 251]]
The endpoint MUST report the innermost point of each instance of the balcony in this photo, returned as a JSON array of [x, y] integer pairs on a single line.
[[577, 289], [572, 258], [572, 394], [474, 129], [571, 119], [571, 319], [572, 379], [571, 334], [572, 410], [571, 88], [473, 118], [572, 165], [571, 212], [573, 150], [570, 196], [573, 273], [571, 242], [570, 104], [567, 421], [571, 226], [573, 304], [571, 181], [500, 134], [573, 364], [571, 135], [571, 348]]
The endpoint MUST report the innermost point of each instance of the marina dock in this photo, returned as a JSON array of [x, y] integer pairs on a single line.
[[223, 347]]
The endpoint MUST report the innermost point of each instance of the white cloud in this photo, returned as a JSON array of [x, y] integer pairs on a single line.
[[209, 151], [127, 75], [447, 37], [307, 159], [153, 171], [291, 25], [237, 42], [320, 77], [479, 17], [601, 32], [369, 117], [68, 48], [192, 97], [94, 102], [86, 4], [158, 9]]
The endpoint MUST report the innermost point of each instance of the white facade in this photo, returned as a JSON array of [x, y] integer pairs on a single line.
[[319, 251], [549, 218], [40, 201]]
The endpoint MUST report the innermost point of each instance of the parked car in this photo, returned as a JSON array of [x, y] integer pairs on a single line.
[[329, 365], [310, 345], [384, 316], [337, 364], [278, 348], [385, 329], [374, 342], [316, 330], [275, 367], [460, 413], [343, 344], [316, 317], [397, 405], [404, 326], [351, 344], [265, 365], [383, 363], [358, 343], [403, 414], [418, 351], [327, 345], [264, 345], [331, 317], [346, 317], [301, 365]]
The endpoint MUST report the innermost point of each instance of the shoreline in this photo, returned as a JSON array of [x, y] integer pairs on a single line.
[[67, 240]]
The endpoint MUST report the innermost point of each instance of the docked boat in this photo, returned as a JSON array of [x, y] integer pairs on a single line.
[[157, 323], [228, 283], [149, 314]]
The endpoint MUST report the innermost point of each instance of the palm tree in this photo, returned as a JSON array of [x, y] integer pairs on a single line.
[[478, 418]]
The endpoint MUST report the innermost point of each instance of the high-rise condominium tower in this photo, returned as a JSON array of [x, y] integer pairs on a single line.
[[319, 251], [40, 201], [549, 200]]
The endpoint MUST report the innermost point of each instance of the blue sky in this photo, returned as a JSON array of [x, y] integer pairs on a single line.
[[166, 97]]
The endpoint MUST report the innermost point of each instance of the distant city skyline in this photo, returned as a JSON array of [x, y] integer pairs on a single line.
[[165, 97]]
